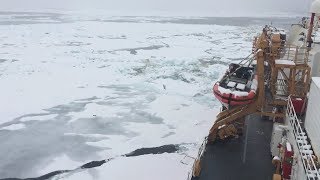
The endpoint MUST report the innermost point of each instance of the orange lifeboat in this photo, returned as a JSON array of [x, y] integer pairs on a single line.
[[237, 87]]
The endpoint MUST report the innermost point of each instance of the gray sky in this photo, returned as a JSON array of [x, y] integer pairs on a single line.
[[183, 7]]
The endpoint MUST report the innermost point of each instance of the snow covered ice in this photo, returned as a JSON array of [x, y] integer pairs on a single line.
[[75, 90]]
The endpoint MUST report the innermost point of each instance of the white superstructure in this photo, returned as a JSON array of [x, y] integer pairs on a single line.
[[312, 121], [303, 132]]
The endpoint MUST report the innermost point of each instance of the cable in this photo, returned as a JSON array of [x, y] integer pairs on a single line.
[[248, 59]]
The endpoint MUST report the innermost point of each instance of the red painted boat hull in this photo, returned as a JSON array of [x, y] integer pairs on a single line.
[[232, 99]]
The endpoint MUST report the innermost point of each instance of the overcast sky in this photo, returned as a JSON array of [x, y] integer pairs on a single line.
[[183, 7]]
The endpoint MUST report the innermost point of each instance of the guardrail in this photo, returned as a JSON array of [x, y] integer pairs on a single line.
[[202, 149], [297, 54], [300, 136]]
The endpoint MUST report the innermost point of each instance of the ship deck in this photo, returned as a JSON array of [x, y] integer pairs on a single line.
[[247, 157]]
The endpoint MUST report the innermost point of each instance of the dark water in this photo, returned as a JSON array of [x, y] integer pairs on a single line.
[[282, 22], [37, 18], [171, 148]]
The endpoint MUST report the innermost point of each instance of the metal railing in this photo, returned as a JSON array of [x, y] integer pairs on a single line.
[[200, 153], [299, 55], [301, 139]]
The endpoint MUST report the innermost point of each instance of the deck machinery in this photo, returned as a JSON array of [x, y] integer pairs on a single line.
[[282, 70]]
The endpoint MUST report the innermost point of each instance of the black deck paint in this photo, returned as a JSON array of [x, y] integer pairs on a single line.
[[228, 161]]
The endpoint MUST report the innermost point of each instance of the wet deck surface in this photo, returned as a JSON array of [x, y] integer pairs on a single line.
[[247, 157]]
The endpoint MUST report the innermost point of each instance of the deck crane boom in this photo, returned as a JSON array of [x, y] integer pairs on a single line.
[[226, 122], [224, 125]]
